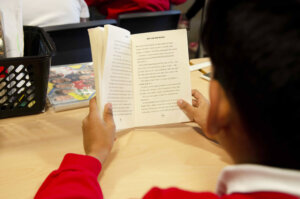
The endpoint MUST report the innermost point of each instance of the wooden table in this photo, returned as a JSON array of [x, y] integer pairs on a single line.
[[173, 155]]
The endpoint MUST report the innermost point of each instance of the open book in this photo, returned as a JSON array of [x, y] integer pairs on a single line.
[[142, 75]]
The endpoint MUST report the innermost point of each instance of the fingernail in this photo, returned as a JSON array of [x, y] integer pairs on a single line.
[[109, 106], [180, 102]]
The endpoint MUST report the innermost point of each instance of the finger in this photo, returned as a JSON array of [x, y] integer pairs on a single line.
[[108, 115], [93, 105], [195, 103], [186, 108], [196, 94]]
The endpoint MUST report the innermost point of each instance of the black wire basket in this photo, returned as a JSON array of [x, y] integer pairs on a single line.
[[24, 80]]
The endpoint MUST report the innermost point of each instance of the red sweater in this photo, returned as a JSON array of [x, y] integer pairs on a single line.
[[112, 8], [77, 178]]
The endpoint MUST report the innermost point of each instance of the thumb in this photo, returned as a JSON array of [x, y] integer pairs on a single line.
[[186, 108], [108, 115]]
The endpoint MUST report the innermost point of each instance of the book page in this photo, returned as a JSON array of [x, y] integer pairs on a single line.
[[161, 76], [97, 38], [117, 86]]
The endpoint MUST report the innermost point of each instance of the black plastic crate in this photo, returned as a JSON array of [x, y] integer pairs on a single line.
[[24, 80]]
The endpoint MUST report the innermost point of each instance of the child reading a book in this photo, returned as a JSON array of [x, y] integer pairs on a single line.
[[253, 113]]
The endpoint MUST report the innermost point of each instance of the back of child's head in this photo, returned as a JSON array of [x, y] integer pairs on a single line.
[[254, 46]]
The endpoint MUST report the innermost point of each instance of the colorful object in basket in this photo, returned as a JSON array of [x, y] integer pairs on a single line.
[[16, 88], [71, 86]]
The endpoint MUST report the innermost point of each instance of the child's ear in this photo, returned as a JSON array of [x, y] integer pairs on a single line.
[[219, 114]]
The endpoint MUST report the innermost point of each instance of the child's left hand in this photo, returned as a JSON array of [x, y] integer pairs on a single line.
[[198, 111]]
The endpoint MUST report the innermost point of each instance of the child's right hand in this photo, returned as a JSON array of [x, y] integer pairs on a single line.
[[98, 134], [198, 111]]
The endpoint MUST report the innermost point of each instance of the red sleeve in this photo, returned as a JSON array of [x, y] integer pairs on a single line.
[[174, 193], [75, 178], [177, 2], [95, 2]]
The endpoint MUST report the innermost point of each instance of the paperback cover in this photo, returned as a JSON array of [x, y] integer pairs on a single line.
[[71, 86]]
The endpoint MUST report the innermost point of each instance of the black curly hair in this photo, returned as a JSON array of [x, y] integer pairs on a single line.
[[254, 46]]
